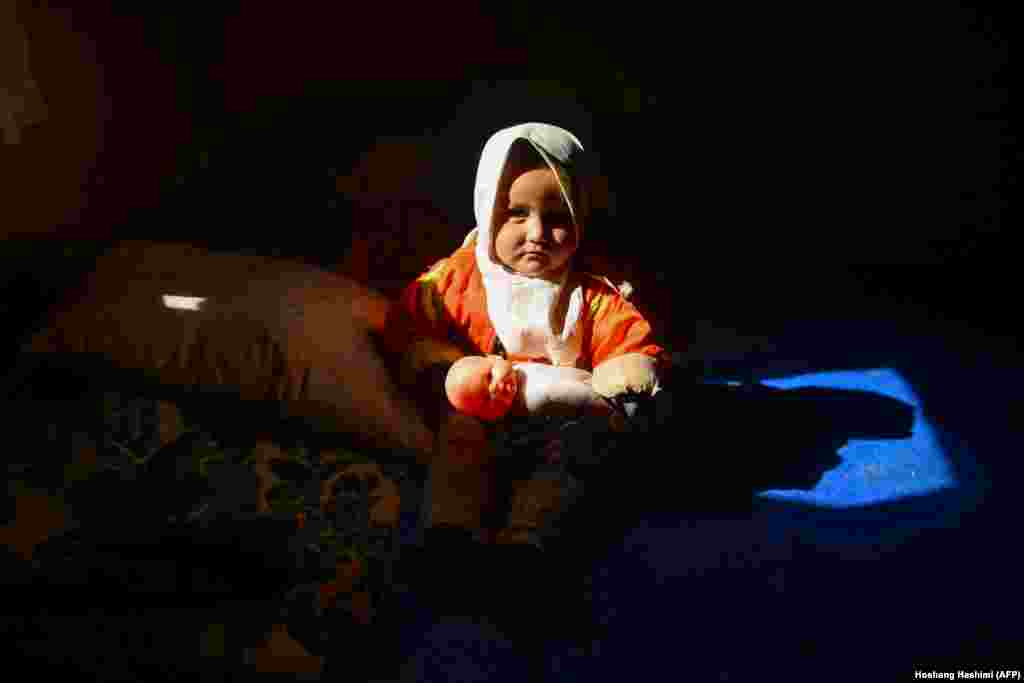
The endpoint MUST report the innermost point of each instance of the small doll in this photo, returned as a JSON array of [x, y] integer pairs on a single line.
[[490, 387]]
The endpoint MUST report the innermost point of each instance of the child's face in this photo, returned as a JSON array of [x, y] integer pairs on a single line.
[[535, 233]]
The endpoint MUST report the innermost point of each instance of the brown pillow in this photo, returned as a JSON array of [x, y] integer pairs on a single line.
[[266, 330]]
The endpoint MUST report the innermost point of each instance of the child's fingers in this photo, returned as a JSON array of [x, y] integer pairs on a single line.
[[499, 378], [504, 386]]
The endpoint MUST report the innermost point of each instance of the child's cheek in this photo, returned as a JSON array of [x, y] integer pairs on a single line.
[[507, 240]]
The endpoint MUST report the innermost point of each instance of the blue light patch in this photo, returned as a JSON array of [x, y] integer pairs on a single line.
[[874, 471]]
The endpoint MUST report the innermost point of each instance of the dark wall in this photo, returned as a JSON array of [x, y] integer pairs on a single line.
[[750, 158], [46, 179]]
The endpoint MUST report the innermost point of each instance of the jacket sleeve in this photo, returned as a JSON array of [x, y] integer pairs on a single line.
[[419, 311], [419, 332], [619, 328]]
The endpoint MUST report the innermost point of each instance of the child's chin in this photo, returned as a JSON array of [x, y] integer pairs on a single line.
[[531, 268], [547, 269]]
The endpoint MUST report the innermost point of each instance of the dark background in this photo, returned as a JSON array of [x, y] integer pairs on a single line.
[[758, 164], [831, 136]]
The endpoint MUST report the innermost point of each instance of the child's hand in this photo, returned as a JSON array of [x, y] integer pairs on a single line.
[[484, 387], [504, 382], [632, 372]]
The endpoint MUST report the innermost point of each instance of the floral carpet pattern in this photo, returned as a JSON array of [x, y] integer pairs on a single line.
[[114, 493]]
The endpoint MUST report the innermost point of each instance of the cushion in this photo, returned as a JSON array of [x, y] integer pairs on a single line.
[[265, 330]]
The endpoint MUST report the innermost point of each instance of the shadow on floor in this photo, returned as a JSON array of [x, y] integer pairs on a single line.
[[909, 583], [715, 581]]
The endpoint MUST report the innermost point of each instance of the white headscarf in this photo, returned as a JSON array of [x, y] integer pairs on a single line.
[[522, 308]]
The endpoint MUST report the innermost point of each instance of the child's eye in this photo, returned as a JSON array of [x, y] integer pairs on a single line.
[[518, 212]]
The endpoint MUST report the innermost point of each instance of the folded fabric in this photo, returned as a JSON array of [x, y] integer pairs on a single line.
[[264, 329]]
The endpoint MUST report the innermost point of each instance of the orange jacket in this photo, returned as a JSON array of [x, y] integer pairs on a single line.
[[448, 303]]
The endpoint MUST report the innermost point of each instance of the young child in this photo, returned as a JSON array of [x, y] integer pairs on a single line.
[[490, 388], [512, 291]]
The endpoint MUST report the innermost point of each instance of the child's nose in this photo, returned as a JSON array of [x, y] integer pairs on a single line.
[[535, 229]]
